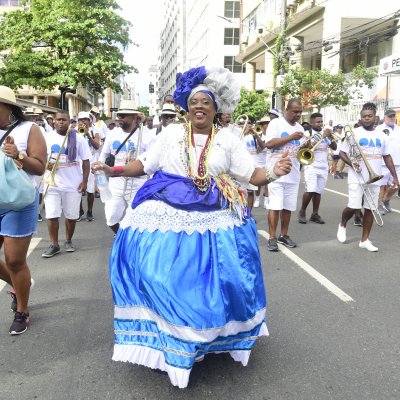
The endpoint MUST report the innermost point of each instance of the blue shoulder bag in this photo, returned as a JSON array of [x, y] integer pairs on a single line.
[[16, 188]]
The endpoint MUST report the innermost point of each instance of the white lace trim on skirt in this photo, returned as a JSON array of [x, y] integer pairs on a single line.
[[153, 215]]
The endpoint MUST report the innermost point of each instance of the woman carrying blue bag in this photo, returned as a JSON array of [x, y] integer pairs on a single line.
[[22, 157], [185, 266]]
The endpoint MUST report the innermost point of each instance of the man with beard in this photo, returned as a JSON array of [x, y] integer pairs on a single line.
[[123, 143], [316, 174], [374, 147], [284, 133]]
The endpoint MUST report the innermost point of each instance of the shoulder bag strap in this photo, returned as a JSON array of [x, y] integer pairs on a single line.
[[123, 143], [8, 132]]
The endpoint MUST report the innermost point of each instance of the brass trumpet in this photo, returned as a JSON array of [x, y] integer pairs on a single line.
[[82, 129], [50, 180], [242, 120], [305, 155], [258, 129]]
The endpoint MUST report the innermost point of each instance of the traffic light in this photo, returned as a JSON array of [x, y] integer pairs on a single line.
[[151, 88]]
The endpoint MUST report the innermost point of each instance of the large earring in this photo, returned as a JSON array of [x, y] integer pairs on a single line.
[[12, 118]]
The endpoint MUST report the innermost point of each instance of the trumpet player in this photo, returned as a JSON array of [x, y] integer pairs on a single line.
[[92, 136], [316, 174], [372, 147], [66, 180], [284, 133], [260, 157]]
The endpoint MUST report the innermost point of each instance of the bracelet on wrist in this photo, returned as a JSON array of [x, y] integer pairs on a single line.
[[270, 175], [118, 170]]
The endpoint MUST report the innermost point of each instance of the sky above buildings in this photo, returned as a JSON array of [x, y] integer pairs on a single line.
[[145, 17]]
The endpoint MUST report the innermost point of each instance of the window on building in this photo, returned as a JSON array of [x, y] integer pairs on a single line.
[[232, 65], [370, 56], [231, 36], [232, 9]]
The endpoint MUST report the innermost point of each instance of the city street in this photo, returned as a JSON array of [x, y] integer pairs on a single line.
[[333, 317]]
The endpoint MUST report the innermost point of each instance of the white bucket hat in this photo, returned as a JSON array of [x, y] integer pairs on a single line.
[[7, 96], [130, 107], [85, 115], [168, 109]]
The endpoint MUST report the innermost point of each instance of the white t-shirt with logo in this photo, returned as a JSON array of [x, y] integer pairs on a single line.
[[279, 128], [128, 152], [373, 145], [320, 153], [393, 141], [69, 173]]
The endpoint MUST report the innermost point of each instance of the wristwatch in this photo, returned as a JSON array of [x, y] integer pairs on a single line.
[[20, 156]]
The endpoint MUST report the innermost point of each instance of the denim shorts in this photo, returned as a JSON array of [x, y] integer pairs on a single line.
[[19, 223]]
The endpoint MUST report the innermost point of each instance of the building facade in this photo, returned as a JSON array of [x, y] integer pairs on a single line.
[[322, 34]]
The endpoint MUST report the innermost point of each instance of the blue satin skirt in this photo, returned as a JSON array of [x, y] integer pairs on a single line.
[[179, 296]]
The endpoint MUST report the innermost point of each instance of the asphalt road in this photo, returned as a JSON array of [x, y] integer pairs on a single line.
[[333, 317]]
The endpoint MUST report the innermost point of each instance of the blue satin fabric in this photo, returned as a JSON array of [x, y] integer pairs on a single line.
[[200, 281], [179, 192]]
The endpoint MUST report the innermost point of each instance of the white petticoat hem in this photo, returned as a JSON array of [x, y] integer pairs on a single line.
[[154, 359]]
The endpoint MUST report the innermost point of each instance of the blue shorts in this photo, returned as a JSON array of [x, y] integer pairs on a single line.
[[20, 223]]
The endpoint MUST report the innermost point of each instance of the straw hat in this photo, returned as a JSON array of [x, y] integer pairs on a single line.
[[7, 96], [30, 111], [263, 120], [95, 109], [38, 111], [129, 107], [168, 109]]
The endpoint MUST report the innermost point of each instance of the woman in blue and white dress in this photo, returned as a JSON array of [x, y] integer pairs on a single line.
[[185, 266]]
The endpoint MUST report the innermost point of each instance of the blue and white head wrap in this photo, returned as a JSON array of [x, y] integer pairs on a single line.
[[219, 83]]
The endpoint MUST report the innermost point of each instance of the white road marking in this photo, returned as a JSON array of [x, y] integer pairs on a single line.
[[311, 271], [34, 242], [346, 195]]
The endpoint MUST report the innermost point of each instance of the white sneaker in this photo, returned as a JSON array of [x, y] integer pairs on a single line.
[[341, 234], [266, 202], [367, 245], [32, 283], [257, 202]]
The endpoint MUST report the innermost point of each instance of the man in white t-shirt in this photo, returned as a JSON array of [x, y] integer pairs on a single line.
[[284, 133], [70, 180], [392, 132], [92, 136], [316, 174], [124, 189], [373, 145]]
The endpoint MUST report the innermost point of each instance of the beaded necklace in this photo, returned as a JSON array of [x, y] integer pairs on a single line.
[[199, 175]]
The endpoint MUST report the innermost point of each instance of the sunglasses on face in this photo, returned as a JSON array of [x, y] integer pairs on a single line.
[[391, 115], [122, 116], [168, 116]]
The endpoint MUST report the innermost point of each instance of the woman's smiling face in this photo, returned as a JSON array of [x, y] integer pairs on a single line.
[[201, 110]]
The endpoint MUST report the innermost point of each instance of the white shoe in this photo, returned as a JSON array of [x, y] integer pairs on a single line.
[[32, 283], [367, 245], [266, 201], [257, 202], [341, 234]]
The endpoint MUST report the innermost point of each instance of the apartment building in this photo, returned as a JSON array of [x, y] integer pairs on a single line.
[[198, 33], [330, 34]]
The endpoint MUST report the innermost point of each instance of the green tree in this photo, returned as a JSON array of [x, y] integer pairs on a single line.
[[321, 88], [54, 43], [252, 103], [144, 110]]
